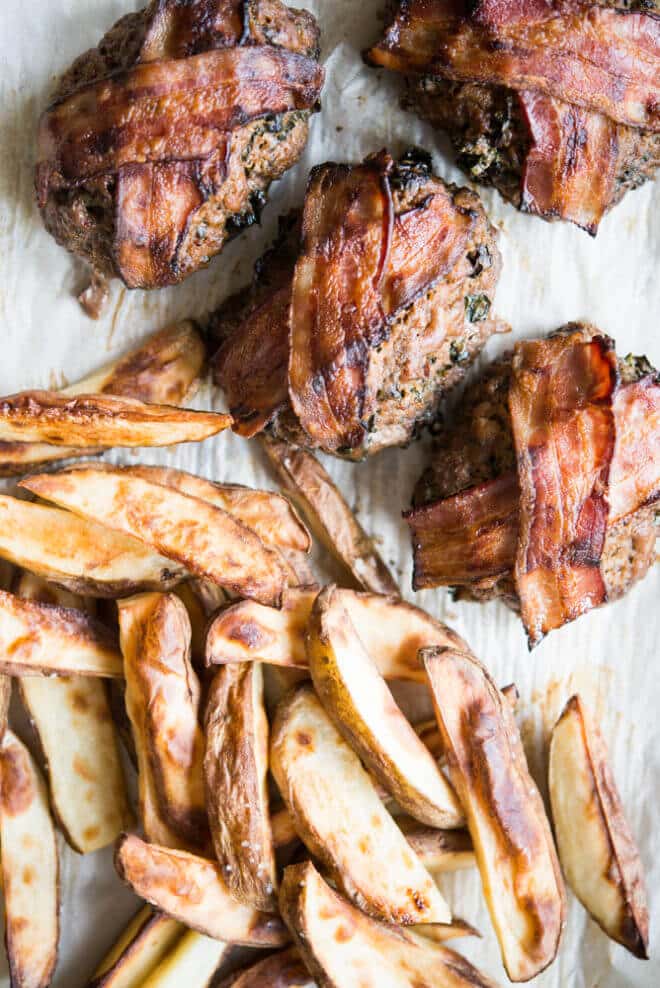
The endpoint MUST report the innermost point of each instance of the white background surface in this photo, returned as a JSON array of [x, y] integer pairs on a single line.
[[552, 273]]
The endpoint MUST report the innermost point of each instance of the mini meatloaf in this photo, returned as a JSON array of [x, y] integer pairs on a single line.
[[161, 143], [368, 310], [466, 522], [538, 123]]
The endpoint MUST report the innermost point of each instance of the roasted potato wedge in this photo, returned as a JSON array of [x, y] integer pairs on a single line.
[[391, 631], [441, 932], [192, 962], [146, 940], [270, 515], [439, 850], [30, 868], [343, 947], [328, 515], [80, 555], [193, 891], [205, 539], [284, 969], [356, 697], [597, 850], [165, 370], [40, 639], [340, 817], [236, 773], [93, 420], [162, 700], [511, 835]]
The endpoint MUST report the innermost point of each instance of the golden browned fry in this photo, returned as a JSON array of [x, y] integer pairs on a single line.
[[78, 554], [164, 370], [30, 868], [343, 947], [38, 639], [162, 700], [506, 817], [192, 890], [284, 969], [202, 537], [391, 631], [328, 514], [236, 772], [596, 847], [270, 515], [193, 961], [72, 720], [91, 420], [144, 942], [440, 850], [363, 709], [339, 815], [441, 932]]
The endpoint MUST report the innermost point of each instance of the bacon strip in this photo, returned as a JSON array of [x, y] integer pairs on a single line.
[[570, 169], [590, 56], [635, 470], [358, 266], [468, 537], [178, 30], [560, 402], [178, 109]]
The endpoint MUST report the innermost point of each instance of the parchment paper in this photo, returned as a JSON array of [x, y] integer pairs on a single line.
[[552, 273]]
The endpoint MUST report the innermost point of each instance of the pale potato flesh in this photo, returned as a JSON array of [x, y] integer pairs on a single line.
[[30, 868], [506, 818], [193, 891], [270, 515], [203, 538], [391, 631], [329, 516], [78, 554], [344, 948], [162, 701], [164, 369], [191, 963], [362, 707], [596, 848], [146, 940], [41, 639], [236, 773], [340, 817]]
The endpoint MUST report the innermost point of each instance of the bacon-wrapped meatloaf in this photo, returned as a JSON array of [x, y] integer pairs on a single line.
[[543, 490], [369, 309], [161, 143], [554, 102]]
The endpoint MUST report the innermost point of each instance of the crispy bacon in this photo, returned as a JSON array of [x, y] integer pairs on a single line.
[[177, 109], [635, 471], [570, 168], [468, 537], [587, 55], [178, 30], [359, 264]]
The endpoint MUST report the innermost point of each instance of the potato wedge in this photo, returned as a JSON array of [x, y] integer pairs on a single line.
[[147, 939], [343, 947], [41, 639], [356, 697], [236, 773], [340, 817], [92, 420], [506, 818], [284, 969], [597, 850], [391, 631], [192, 962], [165, 369], [203, 538], [80, 555], [30, 868], [328, 515], [162, 701], [441, 932], [193, 891], [439, 850], [268, 514]]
